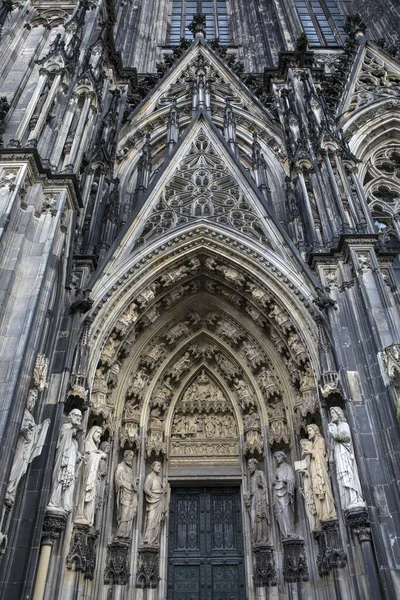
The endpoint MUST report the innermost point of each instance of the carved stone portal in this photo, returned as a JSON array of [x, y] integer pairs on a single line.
[[204, 427]]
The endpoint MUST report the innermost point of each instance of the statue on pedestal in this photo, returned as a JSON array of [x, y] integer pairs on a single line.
[[342, 453], [89, 480], [156, 495], [126, 491], [257, 502], [67, 457], [284, 496], [320, 482], [30, 443]]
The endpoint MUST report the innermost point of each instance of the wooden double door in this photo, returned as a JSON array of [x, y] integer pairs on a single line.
[[205, 544]]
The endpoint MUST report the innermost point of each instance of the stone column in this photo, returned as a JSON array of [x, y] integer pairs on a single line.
[[54, 524], [357, 519]]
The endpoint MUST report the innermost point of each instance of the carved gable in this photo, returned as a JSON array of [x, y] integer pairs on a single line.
[[204, 426]]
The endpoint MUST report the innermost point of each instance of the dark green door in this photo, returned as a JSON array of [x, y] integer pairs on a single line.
[[205, 545]]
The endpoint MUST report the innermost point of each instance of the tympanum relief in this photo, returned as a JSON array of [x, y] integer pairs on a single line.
[[204, 427]]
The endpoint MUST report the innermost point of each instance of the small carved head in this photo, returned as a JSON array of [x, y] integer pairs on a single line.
[[280, 457], [75, 417], [253, 463], [156, 467], [313, 431], [337, 414], [128, 457], [31, 400]]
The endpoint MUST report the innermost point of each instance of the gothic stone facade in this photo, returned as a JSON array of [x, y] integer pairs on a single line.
[[199, 329]]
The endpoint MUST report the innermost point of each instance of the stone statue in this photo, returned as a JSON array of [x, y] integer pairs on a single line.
[[126, 491], [30, 443], [321, 485], [257, 502], [284, 496], [303, 467], [67, 457], [156, 505], [91, 459], [342, 453], [101, 486]]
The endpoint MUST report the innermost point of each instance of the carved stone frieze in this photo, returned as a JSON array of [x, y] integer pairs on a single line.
[[204, 426], [117, 563], [294, 561]]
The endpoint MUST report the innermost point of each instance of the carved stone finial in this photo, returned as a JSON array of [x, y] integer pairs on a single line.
[[198, 25]]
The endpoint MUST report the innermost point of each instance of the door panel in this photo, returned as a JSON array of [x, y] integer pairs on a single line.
[[205, 554]]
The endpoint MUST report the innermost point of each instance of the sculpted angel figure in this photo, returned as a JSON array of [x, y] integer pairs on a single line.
[[342, 453], [30, 443]]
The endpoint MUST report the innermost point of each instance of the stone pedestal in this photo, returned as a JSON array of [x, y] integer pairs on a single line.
[[335, 554], [82, 551], [264, 573], [117, 564], [358, 521], [53, 526], [294, 561], [322, 563], [148, 568], [331, 554]]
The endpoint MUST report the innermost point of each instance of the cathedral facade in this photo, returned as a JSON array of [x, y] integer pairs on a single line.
[[199, 328]]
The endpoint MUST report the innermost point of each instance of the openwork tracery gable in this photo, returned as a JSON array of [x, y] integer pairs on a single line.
[[203, 188], [378, 78]]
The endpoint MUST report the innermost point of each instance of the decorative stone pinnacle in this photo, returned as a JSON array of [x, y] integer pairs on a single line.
[[198, 25]]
